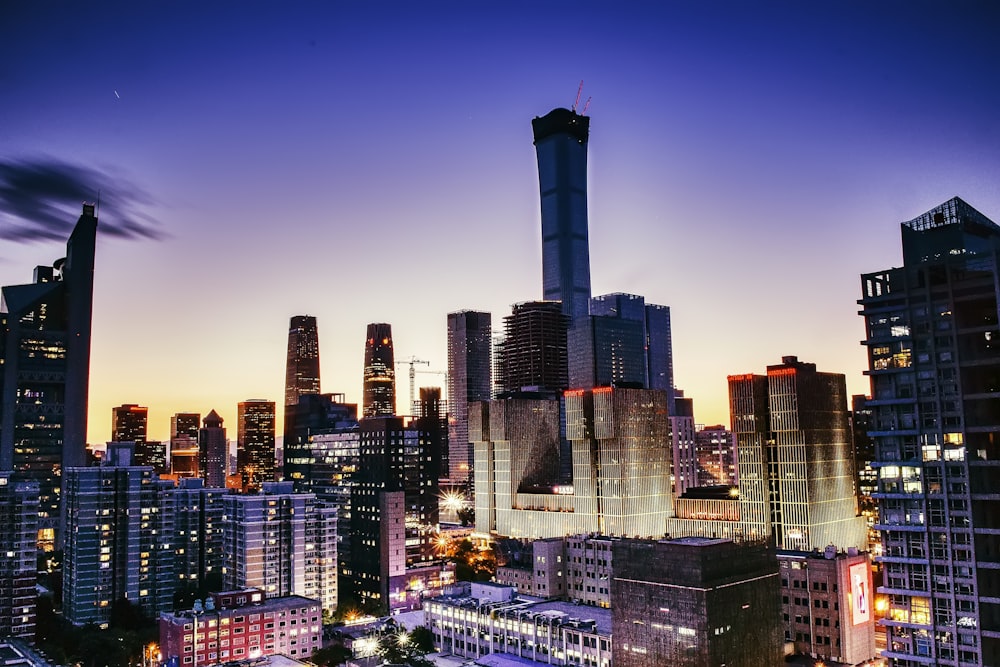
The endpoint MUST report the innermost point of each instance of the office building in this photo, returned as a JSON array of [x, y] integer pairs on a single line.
[[114, 547], [577, 568], [301, 362], [18, 535], [45, 354], [534, 349], [184, 450], [213, 451], [309, 465], [238, 626], [796, 469], [198, 535], [560, 139], [379, 373], [255, 447], [694, 601], [620, 451], [281, 542], [715, 449], [865, 473], [682, 439], [934, 366], [128, 423], [484, 618], [469, 380], [827, 604]]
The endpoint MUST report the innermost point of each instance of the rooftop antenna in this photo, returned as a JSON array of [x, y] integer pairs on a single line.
[[98, 212], [586, 106], [578, 91]]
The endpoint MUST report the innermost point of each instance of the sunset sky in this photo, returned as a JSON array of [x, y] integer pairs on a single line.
[[373, 161]]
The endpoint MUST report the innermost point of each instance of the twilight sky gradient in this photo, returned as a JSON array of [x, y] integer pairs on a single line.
[[372, 161]]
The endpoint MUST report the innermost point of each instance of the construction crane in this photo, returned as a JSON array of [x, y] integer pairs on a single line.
[[413, 361], [578, 91]]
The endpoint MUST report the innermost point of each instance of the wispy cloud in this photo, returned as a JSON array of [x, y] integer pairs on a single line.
[[40, 201]]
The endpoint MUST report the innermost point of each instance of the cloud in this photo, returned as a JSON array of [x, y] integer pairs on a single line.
[[40, 200]]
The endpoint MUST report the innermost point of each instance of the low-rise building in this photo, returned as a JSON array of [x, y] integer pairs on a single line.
[[827, 604], [577, 568], [242, 625], [493, 619]]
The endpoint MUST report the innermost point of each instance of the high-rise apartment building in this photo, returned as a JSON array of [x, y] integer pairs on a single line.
[[213, 451], [281, 542], [114, 546], [184, 450], [45, 371], [715, 449], [560, 139], [695, 602], [255, 454], [302, 361], [379, 373], [684, 468], [469, 380], [796, 465], [198, 535], [534, 351], [18, 535], [933, 345], [315, 415]]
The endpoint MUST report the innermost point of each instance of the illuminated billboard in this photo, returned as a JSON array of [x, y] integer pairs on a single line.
[[861, 594]]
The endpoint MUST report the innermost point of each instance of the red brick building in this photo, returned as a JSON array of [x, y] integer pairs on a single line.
[[241, 625]]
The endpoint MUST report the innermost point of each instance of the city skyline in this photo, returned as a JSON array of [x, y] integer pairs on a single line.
[[735, 166]]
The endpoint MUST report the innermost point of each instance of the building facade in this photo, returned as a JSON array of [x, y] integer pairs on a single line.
[[577, 568], [715, 449], [534, 350], [256, 460], [302, 359], [18, 536], [469, 379], [934, 366], [695, 601], [239, 626], [379, 373], [198, 535], [45, 372], [213, 451], [560, 139]]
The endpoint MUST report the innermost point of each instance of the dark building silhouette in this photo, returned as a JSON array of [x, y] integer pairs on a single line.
[[380, 372], [45, 371], [695, 602], [469, 380], [933, 344], [307, 463], [129, 424], [560, 139], [184, 450], [302, 361], [255, 454], [534, 350], [213, 451]]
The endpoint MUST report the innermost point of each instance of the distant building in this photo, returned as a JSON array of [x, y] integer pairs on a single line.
[[561, 150], [620, 454], [45, 371], [128, 423], [116, 520], [534, 350], [184, 450], [486, 618], [695, 602], [469, 380], [827, 604], [715, 449], [866, 474], [242, 625], [682, 439], [313, 416], [301, 362], [18, 567], [213, 451], [283, 543], [255, 446], [379, 372]]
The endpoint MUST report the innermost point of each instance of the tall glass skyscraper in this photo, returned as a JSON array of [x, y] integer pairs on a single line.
[[469, 380], [255, 456], [933, 344], [380, 372], [561, 148], [302, 361], [45, 372]]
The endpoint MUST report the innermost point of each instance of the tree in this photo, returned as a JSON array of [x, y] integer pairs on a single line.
[[335, 654], [467, 515]]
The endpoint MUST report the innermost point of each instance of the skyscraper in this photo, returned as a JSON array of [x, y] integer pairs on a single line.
[[469, 379], [380, 372], [796, 470], [45, 369], [184, 450], [255, 455], [128, 423], [213, 451], [561, 148], [534, 350], [302, 364], [18, 565], [933, 345]]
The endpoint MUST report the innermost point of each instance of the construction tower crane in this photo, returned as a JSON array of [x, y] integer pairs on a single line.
[[413, 361]]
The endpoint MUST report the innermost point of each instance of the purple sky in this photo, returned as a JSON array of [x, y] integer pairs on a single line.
[[372, 161]]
